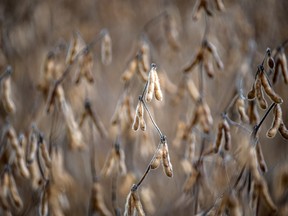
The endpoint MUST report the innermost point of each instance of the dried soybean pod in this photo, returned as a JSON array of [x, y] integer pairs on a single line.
[[252, 112], [219, 4], [196, 10], [252, 93], [151, 83], [145, 55], [240, 105], [227, 135], [157, 158], [192, 90], [219, 137], [106, 48], [191, 180], [276, 121], [283, 130], [136, 123], [138, 204], [269, 91], [129, 72], [142, 123], [129, 205], [157, 88], [14, 192], [259, 94], [140, 109], [196, 59], [43, 206], [270, 60], [213, 50], [167, 166], [44, 152], [6, 96], [209, 68], [260, 158]]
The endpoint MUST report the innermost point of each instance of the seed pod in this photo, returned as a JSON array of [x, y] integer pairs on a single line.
[[227, 135], [133, 204], [142, 124], [191, 180], [157, 158], [85, 67], [219, 4], [269, 91], [259, 94], [121, 162], [129, 205], [270, 60], [136, 123], [140, 68], [36, 179], [129, 72], [6, 94], [109, 163], [260, 158], [44, 153], [252, 93], [196, 59], [180, 134], [145, 55], [157, 88], [252, 113], [283, 130], [140, 109], [151, 84], [219, 137], [197, 9], [283, 64], [76, 45], [213, 50], [209, 68], [276, 122], [240, 106], [138, 204], [43, 207], [171, 31], [14, 192], [97, 201], [167, 166], [190, 150], [106, 48], [263, 189], [192, 89]]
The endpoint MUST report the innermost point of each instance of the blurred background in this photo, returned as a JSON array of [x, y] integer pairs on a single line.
[[31, 28]]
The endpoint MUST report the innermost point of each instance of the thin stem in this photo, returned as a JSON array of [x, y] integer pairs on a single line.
[[232, 102], [151, 118], [147, 169]]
